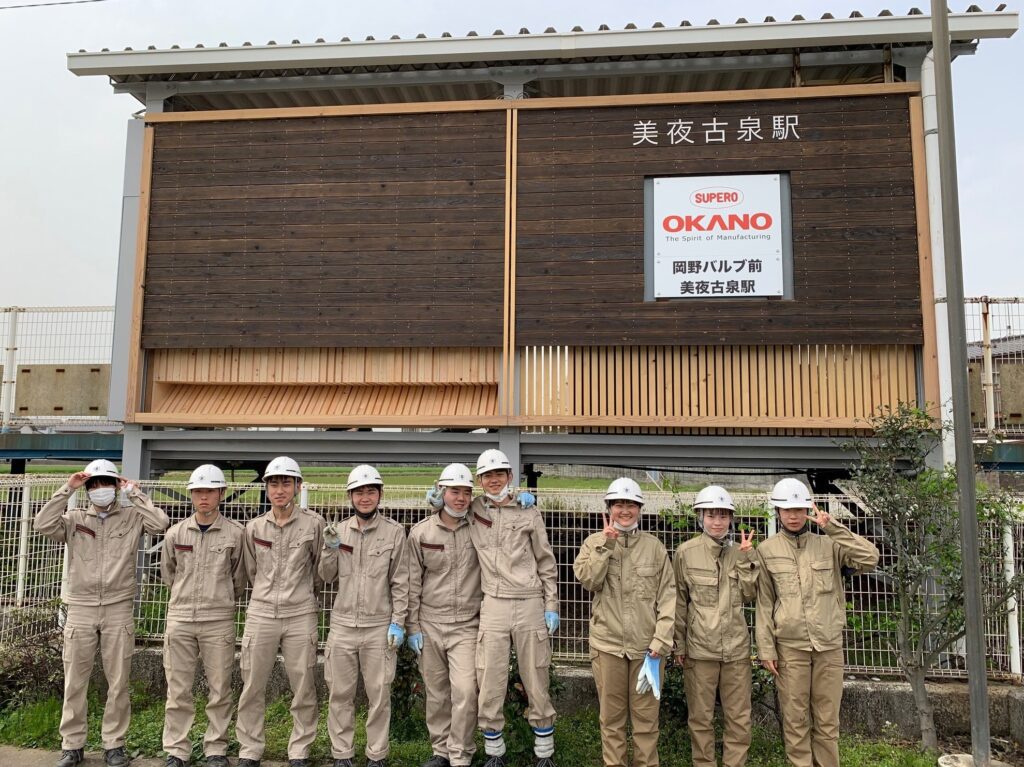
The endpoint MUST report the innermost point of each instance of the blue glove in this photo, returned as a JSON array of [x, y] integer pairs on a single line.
[[415, 642], [527, 499], [435, 498], [331, 538], [395, 635], [551, 621], [649, 678]]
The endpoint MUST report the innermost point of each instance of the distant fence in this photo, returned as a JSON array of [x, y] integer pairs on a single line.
[[32, 568]]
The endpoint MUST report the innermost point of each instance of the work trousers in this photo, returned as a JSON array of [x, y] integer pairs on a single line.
[[732, 681], [449, 675], [350, 652], [503, 623], [810, 686], [112, 629], [297, 639], [618, 702], [184, 643]]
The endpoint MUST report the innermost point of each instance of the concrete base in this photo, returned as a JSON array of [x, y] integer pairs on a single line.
[[963, 760]]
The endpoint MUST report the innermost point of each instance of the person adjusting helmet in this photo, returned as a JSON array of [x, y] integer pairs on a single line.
[[282, 550], [519, 578], [801, 616], [201, 617], [366, 555], [712, 644], [102, 539], [628, 572], [444, 617]]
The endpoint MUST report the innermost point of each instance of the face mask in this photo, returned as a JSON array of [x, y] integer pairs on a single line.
[[457, 514], [102, 496], [624, 528], [500, 496], [365, 517]]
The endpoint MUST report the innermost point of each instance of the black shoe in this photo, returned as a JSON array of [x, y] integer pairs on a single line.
[[116, 757], [545, 761], [437, 761], [217, 761], [376, 763], [298, 763], [495, 761], [247, 762], [69, 757], [173, 761], [342, 763]]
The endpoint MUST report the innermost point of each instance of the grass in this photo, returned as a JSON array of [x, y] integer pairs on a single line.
[[577, 737]]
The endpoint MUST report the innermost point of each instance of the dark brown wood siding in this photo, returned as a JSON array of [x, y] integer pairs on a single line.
[[369, 231], [580, 225]]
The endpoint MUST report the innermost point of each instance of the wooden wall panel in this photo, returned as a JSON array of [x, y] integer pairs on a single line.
[[357, 231], [580, 233]]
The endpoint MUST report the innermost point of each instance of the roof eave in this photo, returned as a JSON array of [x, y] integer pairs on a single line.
[[680, 40]]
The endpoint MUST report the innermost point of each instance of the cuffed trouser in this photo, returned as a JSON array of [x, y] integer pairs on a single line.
[[810, 686], [184, 643], [619, 701], [297, 639], [449, 675], [351, 651], [522, 622], [703, 678], [112, 629]]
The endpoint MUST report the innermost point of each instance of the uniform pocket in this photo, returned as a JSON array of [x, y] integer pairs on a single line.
[[245, 661], [480, 658], [704, 590], [784, 575], [824, 576], [379, 561], [129, 641], [647, 580], [542, 652], [313, 641], [68, 651], [735, 593]]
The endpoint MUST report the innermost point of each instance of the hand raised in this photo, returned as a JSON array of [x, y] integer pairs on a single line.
[[609, 525], [819, 517], [747, 541], [78, 479]]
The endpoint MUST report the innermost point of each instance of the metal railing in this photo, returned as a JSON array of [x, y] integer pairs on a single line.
[[32, 568]]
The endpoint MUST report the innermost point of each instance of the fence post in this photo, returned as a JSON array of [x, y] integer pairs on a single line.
[[988, 384], [1012, 615], [26, 521], [10, 367]]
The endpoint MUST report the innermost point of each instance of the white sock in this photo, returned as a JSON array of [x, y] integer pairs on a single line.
[[543, 742], [494, 743]]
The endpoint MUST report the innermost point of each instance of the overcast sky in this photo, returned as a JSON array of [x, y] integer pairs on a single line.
[[62, 137]]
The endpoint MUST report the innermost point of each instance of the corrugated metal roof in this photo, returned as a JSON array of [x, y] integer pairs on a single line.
[[662, 58]]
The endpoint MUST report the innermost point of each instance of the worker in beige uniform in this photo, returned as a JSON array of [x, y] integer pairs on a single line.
[[519, 578], [444, 618], [628, 572], [801, 612], [366, 555], [102, 547], [202, 565], [282, 551], [714, 578]]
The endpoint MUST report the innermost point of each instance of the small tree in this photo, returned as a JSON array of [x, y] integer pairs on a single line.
[[922, 559]]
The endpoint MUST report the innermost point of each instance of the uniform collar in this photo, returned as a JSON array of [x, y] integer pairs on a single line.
[[353, 523], [460, 523], [273, 520], [94, 510], [713, 547], [193, 523]]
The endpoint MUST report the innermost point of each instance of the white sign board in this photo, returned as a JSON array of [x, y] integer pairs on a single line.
[[717, 236]]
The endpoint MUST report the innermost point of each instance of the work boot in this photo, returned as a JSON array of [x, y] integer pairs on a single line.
[[115, 757], [173, 761], [298, 763], [495, 761], [376, 763], [247, 762], [69, 757], [437, 761], [545, 761], [342, 763], [217, 761]]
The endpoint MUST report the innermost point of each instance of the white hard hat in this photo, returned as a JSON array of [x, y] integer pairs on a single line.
[[102, 468], [363, 475], [205, 477], [455, 475], [283, 466], [492, 460], [791, 493], [714, 497], [624, 489]]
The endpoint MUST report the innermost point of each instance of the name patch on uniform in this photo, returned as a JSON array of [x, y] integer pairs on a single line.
[[182, 547], [432, 546], [481, 520], [86, 530], [263, 543], [346, 548]]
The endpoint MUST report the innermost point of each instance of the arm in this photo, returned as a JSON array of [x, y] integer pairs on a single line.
[[682, 603], [239, 575], [317, 552], [591, 565], [747, 569], [415, 558], [327, 567], [398, 575], [249, 555], [854, 551], [663, 628], [154, 520], [765, 631], [547, 568], [51, 521], [168, 559]]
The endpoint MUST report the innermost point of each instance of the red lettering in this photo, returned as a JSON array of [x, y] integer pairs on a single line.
[[734, 221], [672, 224]]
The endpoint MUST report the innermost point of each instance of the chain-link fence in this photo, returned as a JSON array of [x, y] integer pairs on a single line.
[[995, 355], [31, 568], [55, 364]]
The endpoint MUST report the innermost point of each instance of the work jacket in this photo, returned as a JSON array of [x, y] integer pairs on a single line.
[[372, 572], [204, 571], [102, 550], [444, 573], [281, 563], [634, 593], [801, 603], [713, 582], [516, 559]]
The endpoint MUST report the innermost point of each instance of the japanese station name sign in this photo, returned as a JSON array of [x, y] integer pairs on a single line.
[[717, 236]]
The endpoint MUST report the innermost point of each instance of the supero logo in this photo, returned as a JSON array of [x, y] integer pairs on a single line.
[[716, 197]]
